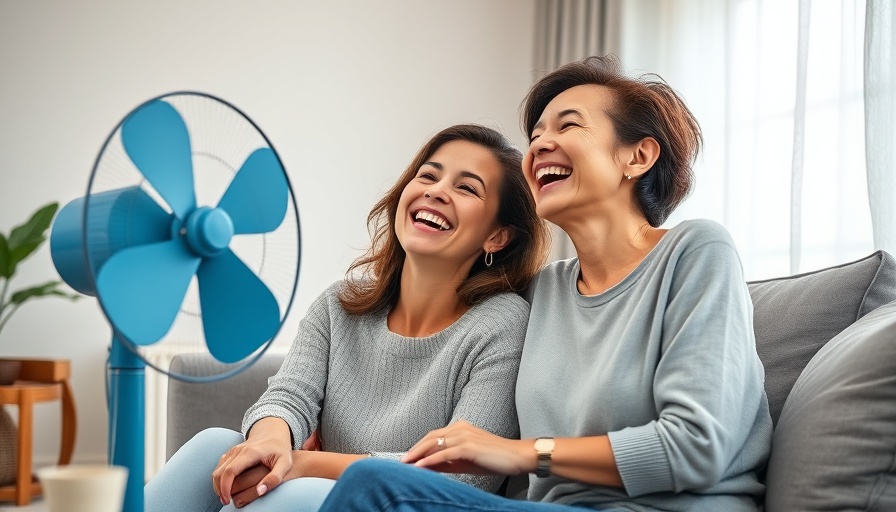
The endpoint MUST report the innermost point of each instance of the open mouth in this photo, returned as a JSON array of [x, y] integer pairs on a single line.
[[548, 175], [431, 219]]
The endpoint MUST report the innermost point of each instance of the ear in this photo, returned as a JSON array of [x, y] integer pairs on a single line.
[[642, 156], [498, 240]]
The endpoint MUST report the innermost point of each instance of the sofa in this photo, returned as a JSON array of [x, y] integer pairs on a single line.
[[827, 340]]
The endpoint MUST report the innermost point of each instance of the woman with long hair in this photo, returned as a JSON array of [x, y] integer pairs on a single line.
[[425, 330]]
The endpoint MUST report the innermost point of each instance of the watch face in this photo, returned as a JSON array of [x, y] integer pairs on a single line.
[[544, 444]]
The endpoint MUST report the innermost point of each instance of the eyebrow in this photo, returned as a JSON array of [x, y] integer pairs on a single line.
[[465, 174], [561, 114]]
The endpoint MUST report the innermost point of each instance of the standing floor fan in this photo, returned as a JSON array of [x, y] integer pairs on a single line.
[[189, 237]]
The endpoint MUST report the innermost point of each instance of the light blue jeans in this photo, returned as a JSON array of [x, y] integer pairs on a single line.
[[185, 482]]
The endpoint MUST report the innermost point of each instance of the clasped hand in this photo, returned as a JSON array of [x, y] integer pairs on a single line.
[[256, 466]]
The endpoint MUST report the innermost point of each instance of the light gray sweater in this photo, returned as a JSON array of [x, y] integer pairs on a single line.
[[377, 392], [664, 363]]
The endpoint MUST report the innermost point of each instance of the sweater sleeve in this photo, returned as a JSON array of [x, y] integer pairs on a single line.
[[295, 393], [708, 383]]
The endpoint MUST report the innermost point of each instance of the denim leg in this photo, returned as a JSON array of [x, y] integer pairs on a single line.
[[299, 495], [382, 485], [185, 481]]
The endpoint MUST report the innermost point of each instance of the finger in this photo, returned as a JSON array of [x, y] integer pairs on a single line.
[[228, 471], [275, 476], [428, 444], [451, 461], [241, 499], [248, 479]]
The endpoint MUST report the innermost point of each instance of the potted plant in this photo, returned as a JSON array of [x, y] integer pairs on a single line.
[[21, 243]]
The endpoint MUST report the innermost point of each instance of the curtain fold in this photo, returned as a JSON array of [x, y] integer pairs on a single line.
[[567, 31], [880, 120]]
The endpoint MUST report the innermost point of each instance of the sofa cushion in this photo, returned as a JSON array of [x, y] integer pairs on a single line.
[[835, 444], [795, 316]]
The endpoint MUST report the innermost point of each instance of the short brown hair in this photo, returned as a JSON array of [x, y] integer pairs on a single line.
[[376, 286], [644, 107]]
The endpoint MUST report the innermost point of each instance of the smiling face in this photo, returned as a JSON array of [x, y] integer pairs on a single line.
[[449, 209], [575, 165]]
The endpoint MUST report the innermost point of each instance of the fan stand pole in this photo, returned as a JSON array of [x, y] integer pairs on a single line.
[[126, 419]]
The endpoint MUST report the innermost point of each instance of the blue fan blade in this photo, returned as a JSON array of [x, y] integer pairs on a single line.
[[256, 198], [156, 139], [239, 313], [142, 288]]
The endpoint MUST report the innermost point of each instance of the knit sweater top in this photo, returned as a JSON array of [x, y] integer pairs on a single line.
[[373, 391], [665, 364]]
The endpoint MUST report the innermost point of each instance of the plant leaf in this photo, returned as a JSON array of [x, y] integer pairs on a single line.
[[4, 258], [24, 239], [43, 290]]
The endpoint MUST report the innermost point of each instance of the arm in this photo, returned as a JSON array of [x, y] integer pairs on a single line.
[[286, 413]]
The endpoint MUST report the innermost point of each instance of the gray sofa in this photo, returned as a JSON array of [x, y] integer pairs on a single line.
[[827, 340]]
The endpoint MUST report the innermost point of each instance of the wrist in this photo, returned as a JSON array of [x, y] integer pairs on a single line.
[[544, 451]]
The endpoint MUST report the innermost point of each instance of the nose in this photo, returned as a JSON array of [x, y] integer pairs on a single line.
[[543, 144], [435, 191]]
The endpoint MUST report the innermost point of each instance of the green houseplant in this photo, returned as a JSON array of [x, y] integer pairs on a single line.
[[21, 243]]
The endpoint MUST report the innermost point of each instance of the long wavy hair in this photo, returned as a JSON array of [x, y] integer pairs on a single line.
[[373, 280]]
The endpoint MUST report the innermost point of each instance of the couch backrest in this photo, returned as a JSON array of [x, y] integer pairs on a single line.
[[793, 317], [193, 407]]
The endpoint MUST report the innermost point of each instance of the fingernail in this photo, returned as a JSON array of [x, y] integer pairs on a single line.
[[261, 489]]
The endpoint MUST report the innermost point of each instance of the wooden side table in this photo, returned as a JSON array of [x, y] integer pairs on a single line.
[[40, 380]]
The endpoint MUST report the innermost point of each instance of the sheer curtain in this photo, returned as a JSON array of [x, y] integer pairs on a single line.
[[778, 88]]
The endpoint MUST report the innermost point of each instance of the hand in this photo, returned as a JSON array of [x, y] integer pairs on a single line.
[[312, 444], [469, 449], [268, 447], [245, 485]]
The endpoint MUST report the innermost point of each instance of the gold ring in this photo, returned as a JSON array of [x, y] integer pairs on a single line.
[[440, 443]]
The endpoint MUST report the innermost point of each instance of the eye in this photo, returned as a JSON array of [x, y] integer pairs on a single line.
[[468, 188], [532, 139], [568, 125], [428, 176]]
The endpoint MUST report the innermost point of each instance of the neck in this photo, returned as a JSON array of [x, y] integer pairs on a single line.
[[609, 248], [428, 300]]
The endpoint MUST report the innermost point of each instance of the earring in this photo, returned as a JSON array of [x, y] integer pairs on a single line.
[[489, 259], [628, 176]]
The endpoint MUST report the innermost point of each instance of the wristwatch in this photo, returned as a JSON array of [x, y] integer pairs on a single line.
[[544, 447]]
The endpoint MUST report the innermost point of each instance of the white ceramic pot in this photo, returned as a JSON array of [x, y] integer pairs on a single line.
[[83, 487]]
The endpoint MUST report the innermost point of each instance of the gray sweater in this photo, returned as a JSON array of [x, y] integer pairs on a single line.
[[377, 392], [664, 363]]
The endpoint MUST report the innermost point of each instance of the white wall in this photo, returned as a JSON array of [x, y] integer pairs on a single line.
[[346, 92]]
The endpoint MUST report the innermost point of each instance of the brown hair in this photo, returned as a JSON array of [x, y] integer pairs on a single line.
[[377, 284], [644, 107]]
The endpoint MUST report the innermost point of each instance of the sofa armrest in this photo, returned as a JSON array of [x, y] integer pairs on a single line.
[[193, 407]]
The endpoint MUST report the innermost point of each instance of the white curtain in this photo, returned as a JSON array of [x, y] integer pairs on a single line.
[[777, 86], [880, 120], [566, 31]]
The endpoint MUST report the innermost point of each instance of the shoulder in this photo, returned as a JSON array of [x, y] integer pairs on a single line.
[[697, 232], [509, 306], [701, 238]]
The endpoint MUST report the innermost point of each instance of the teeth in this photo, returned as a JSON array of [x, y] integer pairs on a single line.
[[433, 219], [559, 171]]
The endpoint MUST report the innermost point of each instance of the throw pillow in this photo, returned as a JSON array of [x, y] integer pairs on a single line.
[[795, 316], [835, 444]]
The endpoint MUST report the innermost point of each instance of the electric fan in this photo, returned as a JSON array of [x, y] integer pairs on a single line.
[[189, 236]]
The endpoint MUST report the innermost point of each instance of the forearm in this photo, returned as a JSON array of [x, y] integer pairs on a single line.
[[322, 464], [272, 428], [583, 459]]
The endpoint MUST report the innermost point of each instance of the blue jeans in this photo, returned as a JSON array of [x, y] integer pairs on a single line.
[[185, 482], [383, 485]]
